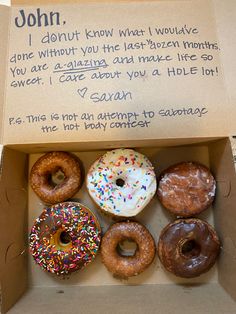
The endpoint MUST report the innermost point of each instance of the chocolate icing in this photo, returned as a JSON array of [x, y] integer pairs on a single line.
[[188, 247], [82, 232]]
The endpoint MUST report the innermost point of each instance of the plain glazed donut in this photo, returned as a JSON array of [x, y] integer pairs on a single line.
[[65, 238], [188, 247], [43, 170], [127, 266], [122, 182], [186, 189]]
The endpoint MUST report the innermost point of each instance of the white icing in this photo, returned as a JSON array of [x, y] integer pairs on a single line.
[[139, 182]]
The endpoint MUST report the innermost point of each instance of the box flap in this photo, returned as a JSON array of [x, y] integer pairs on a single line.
[[13, 227], [222, 166], [4, 26], [77, 77]]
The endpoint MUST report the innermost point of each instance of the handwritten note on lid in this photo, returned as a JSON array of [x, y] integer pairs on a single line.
[[114, 71]]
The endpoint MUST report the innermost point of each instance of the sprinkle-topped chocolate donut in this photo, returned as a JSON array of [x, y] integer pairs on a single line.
[[48, 165], [188, 247], [186, 189], [122, 182], [65, 238]]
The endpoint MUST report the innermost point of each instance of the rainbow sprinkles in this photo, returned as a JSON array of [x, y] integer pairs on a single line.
[[83, 238], [122, 182]]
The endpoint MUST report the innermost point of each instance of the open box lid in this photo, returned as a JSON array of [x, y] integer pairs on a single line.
[[155, 73]]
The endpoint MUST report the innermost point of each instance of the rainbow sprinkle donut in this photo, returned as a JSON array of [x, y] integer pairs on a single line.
[[65, 238], [122, 182]]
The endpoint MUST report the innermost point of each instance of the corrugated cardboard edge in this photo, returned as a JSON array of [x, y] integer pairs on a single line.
[[1, 152], [4, 36], [233, 145], [13, 227], [43, 2]]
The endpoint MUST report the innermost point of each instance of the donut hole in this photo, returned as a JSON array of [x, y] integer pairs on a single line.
[[64, 238], [56, 178], [126, 248], [190, 249], [120, 182]]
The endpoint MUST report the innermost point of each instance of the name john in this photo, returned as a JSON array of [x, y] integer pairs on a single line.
[[37, 19]]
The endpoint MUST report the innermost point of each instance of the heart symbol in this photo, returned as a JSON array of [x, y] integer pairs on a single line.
[[82, 91]]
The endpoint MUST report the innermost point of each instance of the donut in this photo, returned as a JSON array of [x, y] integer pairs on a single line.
[[115, 261], [65, 238], [188, 247], [186, 189], [121, 182], [42, 172]]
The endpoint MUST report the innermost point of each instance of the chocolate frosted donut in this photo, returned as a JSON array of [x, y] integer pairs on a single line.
[[186, 189], [65, 238], [188, 247], [126, 266], [46, 167]]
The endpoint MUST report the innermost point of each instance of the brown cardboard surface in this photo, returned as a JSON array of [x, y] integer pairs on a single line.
[[225, 19], [33, 2], [161, 299], [45, 289], [74, 113], [4, 23], [13, 226], [154, 289], [154, 217], [91, 146], [221, 161]]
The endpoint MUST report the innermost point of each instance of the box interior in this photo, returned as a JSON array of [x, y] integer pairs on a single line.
[[210, 299], [19, 273], [154, 217]]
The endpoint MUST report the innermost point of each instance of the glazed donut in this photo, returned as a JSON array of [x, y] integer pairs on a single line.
[[188, 247], [122, 182], [127, 266], [43, 170], [186, 189], [65, 238]]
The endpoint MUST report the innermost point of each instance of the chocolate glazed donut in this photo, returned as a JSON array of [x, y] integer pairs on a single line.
[[43, 170], [188, 247], [127, 266]]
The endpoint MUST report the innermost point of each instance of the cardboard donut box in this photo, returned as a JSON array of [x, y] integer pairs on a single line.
[[88, 77]]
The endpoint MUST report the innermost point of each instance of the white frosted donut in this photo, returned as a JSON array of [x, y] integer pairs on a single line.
[[122, 182]]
